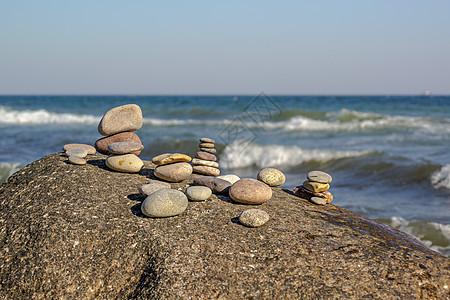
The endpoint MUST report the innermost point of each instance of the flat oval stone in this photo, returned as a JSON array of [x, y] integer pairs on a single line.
[[250, 191], [202, 162], [318, 200], [209, 150], [319, 176], [174, 172], [124, 147], [77, 152], [316, 186], [217, 185], [198, 193], [253, 217], [170, 158], [231, 178], [119, 119], [210, 171], [207, 140], [164, 203], [159, 182], [76, 160], [205, 156], [147, 189], [102, 144], [206, 145], [127, 163], [90, 149], [271, 176]]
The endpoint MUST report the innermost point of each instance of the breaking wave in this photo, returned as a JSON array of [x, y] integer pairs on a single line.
[[441, 178], [7, 169]]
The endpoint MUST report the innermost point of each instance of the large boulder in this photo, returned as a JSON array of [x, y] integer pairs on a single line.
[[77, 232]]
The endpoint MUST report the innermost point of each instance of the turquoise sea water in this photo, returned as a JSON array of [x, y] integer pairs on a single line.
[[389, 156]]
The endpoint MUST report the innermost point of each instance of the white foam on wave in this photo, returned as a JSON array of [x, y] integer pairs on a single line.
[[240, 155], [42, 116], [179, 122], [7, 169], [441, 178]]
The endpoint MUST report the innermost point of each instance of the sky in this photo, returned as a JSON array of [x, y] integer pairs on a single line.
[[322, 47]]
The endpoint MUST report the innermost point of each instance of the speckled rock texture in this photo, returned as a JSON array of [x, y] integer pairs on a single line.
[[76, 232]]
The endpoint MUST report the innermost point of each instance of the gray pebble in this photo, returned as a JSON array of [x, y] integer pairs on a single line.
[[254, 217], [150, 188], [164, 203], [198, 193], [76, 160], [318, 200], [77, 152], [124, 147], [319, 176]]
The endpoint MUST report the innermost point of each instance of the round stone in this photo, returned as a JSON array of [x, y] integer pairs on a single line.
[[164, 203], [174, 172], [250, 191], [90, 149], [316, 186], [77, 152], [231, 178], [170, 158], [207, 140], [198, 193], [206, 145], [205, 156], [202, 162], [319, 176], [119, 119], [216, 185], [150, 188], [271, 176], [254, 217], [318, 200], [124, 147], [102, 144], [159, 182], [127, 163], [76, 160], [209, 150], [210, 171]]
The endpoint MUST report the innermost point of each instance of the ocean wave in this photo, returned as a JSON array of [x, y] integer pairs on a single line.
[[441, 178], [42, 116], [7, 169], [433, 235], [240, 155]]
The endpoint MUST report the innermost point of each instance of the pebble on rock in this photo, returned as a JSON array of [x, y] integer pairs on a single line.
[[271, 176], [128, 163], [231, 178], [150, 188], [202, 162], [205, 156], [119, 119], [316, 186], [77, 152], [76, 160], [210, 171], [198, 193], [216, 185], [253, 217], [250, 191], [207, 140], [206, 145], [164, 203], [174, 172], [90, 149], [102, 144], [124, 147], [319, 176], [318, 200], [160, 182], [169, 158], [209, 150]]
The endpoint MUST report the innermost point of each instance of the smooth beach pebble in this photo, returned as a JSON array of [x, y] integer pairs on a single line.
[[150, 188], [210, 171], [119, 119], [174, 172], [198, 193], [209, 150], [77, 152], [102, 144], [316, 186], [216, 185], [254, 217], [164, 203], [231, 178], [206, 145], [207, 140], [318, 200], [205, 156], [124, 147], [271, 176], [76, 160], [90, 149], [159, 182], [319, 176], [250, 191], [128, 163], [202, 162], [170, 158]]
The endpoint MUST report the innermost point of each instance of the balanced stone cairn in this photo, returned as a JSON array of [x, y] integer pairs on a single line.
[[120, 143], [205, 160], [315, 189], [78, 152], [172, 167]]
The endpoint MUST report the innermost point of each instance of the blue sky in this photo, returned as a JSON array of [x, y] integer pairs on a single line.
[[233, 47]]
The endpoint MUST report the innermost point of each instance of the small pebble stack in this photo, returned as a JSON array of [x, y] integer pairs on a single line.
[[172, 167], [316, 188], [78, 152], [205, 160], [122, 144]]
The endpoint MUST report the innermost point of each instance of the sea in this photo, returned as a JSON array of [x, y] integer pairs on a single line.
[[389, 155]]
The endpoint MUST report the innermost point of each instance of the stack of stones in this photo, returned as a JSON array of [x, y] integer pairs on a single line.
[[120, 142], [205, 160], [172, 167], [78, 152], [316, 188]]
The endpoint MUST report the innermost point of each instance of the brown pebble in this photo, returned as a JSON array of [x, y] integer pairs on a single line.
[[205, 156], [207, 140]]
